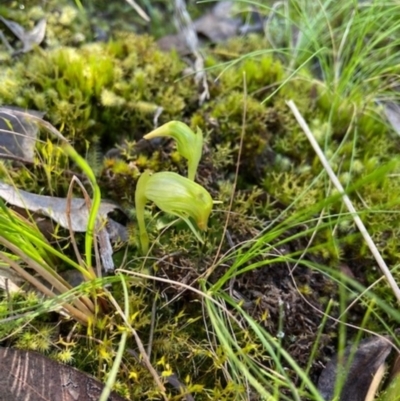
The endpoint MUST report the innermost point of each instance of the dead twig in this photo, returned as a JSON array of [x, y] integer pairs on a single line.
[[144, 355], [185, 26], [139, 10], [371, 245]]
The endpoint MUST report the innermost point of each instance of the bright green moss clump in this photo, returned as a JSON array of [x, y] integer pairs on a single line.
[[101, 92]]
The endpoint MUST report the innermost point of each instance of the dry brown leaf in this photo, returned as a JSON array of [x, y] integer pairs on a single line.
[[392, 113], [54, 207], [218, 25], [29, 376], [366, 362], [176, 42], [17, 134], [71, 214], [29, 39], [215, 26], [9, 280]]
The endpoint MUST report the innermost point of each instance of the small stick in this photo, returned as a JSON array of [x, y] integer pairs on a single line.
[[371, 245], [145, 357], [186, 28], [139, 10]]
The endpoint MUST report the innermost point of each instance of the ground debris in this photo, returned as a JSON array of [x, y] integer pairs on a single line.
[[30, 38]]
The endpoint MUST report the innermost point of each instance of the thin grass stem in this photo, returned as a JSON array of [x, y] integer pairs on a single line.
[[371, 245]]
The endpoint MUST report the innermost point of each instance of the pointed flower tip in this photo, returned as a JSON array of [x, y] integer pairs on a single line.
[[166, 129], [189, 144]]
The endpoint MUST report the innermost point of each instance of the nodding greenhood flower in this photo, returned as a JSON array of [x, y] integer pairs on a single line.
[[189, 144], [173, 194]]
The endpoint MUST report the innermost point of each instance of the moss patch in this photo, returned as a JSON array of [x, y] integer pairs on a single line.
[[103, 97]]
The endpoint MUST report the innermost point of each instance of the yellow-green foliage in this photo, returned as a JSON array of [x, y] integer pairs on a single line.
[[100, 92], [105, 94]]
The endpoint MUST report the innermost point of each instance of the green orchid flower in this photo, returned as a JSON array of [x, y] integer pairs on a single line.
[[189, 144], [172, 194]]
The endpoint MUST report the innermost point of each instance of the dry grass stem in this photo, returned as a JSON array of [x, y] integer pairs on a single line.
[[139, 343], [371, 245]]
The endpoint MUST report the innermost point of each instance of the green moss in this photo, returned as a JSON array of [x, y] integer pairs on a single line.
[[102, 95], [100, 91]]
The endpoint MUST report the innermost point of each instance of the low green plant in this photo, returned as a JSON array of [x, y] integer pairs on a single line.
[[24, 240], [26, 248], [349, 75], [171, 192], [287, 231], [189, 144]]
